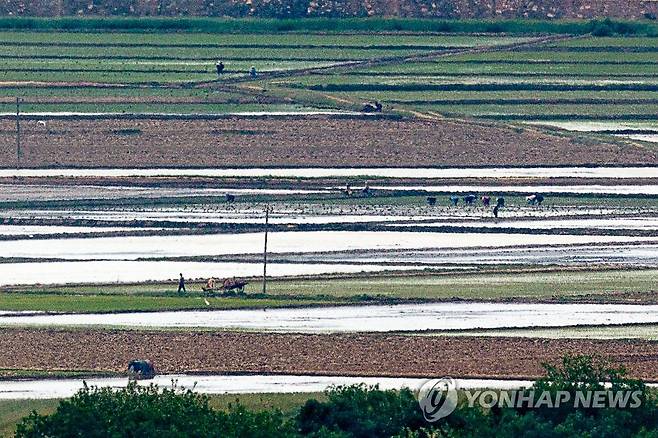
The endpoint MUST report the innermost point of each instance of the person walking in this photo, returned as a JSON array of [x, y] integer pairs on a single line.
[[181, 284]]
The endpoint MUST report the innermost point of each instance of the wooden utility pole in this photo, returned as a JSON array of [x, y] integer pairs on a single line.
[[267, 221], [18, 132]]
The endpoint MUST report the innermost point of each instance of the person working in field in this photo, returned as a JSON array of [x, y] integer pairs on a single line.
[[181, 284], [220, 68]]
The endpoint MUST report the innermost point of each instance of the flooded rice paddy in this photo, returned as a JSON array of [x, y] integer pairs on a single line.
[[572, 256], [36, 230], [320, 172], [368, 318], [571, 189], [220, 384], [632, 223], [155, 240], [300, 242], [23, 193]]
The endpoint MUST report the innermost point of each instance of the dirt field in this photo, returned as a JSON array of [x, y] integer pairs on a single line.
[[299, 141], [347, 354]]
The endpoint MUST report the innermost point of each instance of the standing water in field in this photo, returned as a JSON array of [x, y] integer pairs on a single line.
[[326, 172], [374, 318]]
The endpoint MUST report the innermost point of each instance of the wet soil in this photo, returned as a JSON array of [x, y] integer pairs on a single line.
[[300, 141], [345, 354]]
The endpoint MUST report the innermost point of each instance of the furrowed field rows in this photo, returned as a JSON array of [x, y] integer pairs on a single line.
[[504, 96], [306, 40], [476, 87], [154, 53], [597, 49], [536, 101], [545, 69], [205, 67], [534, 109], [539, 61], [157, 108], [608, 42], [533, 54], [119, 92]]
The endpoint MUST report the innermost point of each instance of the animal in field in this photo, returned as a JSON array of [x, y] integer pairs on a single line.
[[535, 199], [469, 199], [141, 369], [372, 107]]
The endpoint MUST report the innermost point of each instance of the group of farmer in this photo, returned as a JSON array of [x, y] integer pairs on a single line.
[[220, 70], [364, 191], [534, 199]]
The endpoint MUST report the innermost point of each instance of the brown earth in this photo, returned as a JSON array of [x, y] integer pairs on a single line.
[[344, 354], [308, 183], [299, 141], [338, 8]]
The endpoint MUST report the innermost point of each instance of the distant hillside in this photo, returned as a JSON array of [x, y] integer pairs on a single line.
[[541, 9]]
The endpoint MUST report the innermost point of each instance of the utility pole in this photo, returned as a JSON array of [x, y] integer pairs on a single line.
[[18, 132], [267, 221]]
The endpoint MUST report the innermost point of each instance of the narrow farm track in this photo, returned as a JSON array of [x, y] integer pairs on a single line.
[[393, 60], [351, 103], [227, 84]]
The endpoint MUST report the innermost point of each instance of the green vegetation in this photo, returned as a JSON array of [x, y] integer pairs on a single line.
[[532, 285], [223, 26], [12, 411], [140, 53], [565, 286], [354, 411], [576, 79], [78, 303], [121, 58]]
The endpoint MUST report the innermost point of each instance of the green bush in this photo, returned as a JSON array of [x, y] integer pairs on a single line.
[[292, 23], [359, 411], [352, 412], [147, 411]]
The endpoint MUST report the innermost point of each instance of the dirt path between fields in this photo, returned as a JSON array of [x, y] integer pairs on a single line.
[[393, 60], [345, 354]]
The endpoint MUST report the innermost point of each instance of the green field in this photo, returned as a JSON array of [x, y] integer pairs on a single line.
[[146, 58], [566, 286], [12, 411], [124, 299], [586, 78]]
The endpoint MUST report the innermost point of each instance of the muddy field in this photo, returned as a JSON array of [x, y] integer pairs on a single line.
[[299, 141], [349, 354]]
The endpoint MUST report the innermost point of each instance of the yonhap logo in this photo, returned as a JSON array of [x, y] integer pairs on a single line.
[[438, 398]]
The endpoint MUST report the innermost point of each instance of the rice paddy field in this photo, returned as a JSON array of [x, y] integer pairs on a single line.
[[148, 73], [579, 80], [139, 163]]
